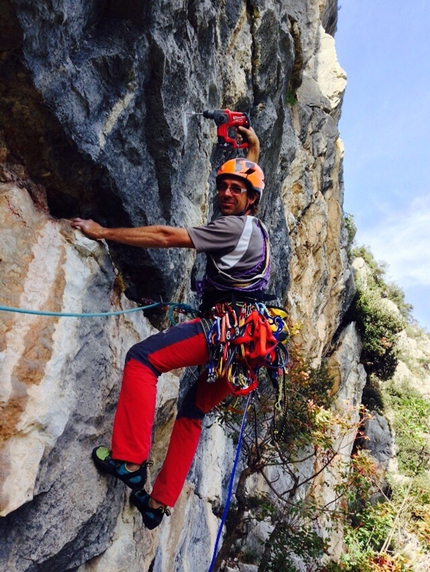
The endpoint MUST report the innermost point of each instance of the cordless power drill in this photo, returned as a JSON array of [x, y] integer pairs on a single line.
[[227, 123]]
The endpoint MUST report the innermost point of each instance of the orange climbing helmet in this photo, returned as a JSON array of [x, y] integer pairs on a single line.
[[241, 168]]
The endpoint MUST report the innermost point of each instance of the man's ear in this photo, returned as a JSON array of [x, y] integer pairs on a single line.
[[252, 198]]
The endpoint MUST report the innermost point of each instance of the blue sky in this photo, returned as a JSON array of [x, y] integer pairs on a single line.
[[384, 47]]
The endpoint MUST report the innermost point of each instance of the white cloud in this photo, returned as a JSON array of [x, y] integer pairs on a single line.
[[402, 239]]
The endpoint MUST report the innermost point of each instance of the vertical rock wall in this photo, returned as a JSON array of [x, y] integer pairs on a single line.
[[96, 102]]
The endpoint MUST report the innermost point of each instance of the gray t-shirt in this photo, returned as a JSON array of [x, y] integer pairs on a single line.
[[238, 252]]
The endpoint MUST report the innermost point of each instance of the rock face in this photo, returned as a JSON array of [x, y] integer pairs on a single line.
[[379, 439], [96, 120], [414, 358]]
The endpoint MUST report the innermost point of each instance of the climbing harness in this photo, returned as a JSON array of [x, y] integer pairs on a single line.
[[242, 339], [230, 484]]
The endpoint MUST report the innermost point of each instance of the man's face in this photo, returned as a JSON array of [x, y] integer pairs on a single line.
[[233, 197]]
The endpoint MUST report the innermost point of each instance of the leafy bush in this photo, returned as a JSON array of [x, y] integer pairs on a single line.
[[375, 533], [366, 538], [373, 542], [379, 326], [306, 401], [385, 288], [288, 428], [291, 98], [351, 230], [411, 423], [292, 538], [378, 323]]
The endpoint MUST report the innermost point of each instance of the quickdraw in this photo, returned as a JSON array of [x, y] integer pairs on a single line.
[[244, 338]]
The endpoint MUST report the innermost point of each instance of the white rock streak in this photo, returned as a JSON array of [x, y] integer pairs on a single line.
[[112, 119]]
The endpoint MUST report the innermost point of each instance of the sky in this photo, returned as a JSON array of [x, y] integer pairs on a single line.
[[384, 47]]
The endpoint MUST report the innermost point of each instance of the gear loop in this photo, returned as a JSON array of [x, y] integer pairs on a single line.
[[241, 340]]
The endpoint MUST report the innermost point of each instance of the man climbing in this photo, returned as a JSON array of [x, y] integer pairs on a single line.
[[238, 265]]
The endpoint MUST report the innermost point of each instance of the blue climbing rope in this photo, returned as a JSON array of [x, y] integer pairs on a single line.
[[76, 315], [182, 307], [230, 485]]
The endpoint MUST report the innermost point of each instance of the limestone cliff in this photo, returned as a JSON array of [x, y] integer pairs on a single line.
[[95, 118]]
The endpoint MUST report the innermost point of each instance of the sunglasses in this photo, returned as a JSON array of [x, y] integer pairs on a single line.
[[235, 189]]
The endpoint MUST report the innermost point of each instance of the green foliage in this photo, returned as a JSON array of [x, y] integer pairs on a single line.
[[291, 539], [377, 321], [379, 281], [364, 540], [411, 423], [291, 98], [248, 556], [377, 270], [371, 539], [372, 526], [417, 363], [351, 230], [397, 295], [416, 332], [286, 428], [305, 417], [379, 326], [368, 524], [305, 429], [419, 511], [375, 532], [363, 475]]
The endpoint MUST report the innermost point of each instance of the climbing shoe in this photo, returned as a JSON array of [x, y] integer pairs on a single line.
[[104, 462], [151, 516]]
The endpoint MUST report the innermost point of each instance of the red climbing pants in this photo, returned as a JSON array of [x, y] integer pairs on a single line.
[[180, 346]]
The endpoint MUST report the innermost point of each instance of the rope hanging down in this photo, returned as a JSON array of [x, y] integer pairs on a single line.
[[230, 485]]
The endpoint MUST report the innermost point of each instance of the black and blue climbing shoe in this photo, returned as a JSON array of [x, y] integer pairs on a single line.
[[151, 516], [133, 479]]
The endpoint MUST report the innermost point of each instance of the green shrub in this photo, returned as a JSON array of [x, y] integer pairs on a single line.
[[411, 423], [377, 269], [288, 427], [291, 98], [294, 538], [385, 288], [379, 326], [351, 230], [378, 323]]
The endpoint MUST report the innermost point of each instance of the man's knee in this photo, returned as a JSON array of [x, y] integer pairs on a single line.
[[140, 352], [188, 408]]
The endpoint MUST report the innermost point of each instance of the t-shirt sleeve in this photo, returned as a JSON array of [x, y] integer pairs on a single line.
[[220, 235]]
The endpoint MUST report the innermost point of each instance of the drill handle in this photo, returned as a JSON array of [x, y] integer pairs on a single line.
[[227, 123]]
